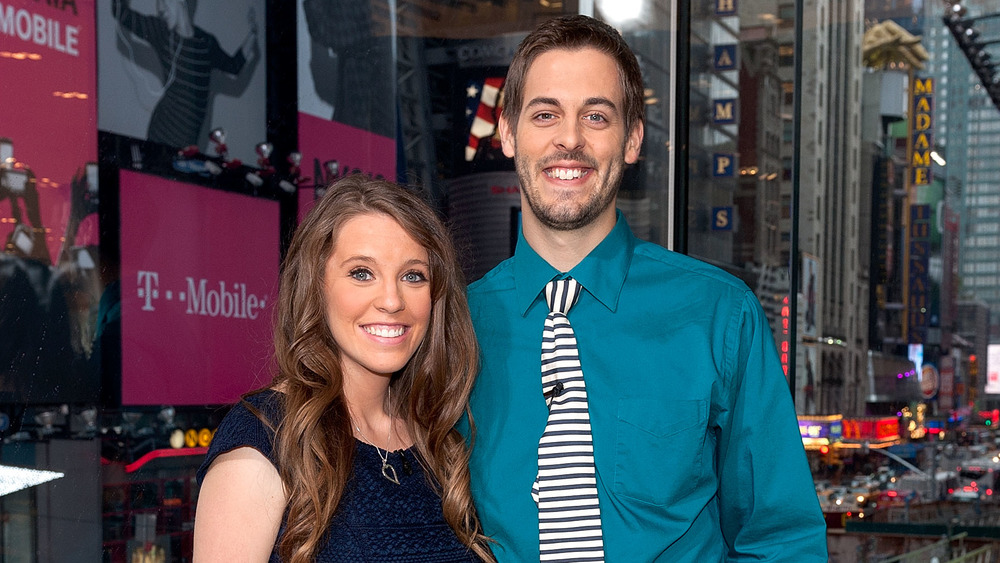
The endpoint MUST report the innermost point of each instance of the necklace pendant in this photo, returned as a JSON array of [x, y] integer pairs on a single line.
[[389, 472]]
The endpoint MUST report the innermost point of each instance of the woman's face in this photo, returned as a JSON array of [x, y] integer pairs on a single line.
[[378, 295], [171, 11]]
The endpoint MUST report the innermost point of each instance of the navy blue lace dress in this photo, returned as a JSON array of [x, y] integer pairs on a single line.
[[377, 521]]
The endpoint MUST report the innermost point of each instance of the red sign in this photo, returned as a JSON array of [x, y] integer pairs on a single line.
[[874, 429]]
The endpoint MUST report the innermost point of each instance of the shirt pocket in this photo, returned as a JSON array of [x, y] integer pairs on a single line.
[[658, 450]]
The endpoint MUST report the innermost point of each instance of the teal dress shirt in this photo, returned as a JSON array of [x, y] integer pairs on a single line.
[[696, 444]]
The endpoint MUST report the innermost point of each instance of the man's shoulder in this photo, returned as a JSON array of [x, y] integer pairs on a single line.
[[683, 268], [500, 278]]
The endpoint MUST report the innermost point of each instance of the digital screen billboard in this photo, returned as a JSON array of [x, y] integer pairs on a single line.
[[49, 281], [199, 277], [171, 72]]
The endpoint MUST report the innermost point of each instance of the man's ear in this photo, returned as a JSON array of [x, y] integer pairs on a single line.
[[506, 135], [633, 143]]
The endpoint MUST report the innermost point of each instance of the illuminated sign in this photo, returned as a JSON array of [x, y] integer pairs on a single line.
[[723, 165], [929, 381], [725, 7], [722, 218], [724, 111], [918, 297], [784, 334], [874, 429], [922, 97], [829, 427], [992, 369], [725, 57]]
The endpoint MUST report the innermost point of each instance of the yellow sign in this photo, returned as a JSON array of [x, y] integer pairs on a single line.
[[921, 131]]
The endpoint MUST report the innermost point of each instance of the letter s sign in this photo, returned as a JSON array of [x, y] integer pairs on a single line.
[[722, 218]]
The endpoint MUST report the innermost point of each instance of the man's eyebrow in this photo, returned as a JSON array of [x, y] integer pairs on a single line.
[[601, 101], [542, 101], [594, 101]]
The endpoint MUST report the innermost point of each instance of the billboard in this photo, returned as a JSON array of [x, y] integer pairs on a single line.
[[49, 281], [199, 273], [346, 92], [48, 133], [992, 369], [173, 70]]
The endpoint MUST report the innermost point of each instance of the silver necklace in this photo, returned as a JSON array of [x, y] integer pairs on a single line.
[[388, 471]]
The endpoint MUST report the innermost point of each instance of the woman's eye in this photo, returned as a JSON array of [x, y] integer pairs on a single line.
[[361, 274], [414, 277]]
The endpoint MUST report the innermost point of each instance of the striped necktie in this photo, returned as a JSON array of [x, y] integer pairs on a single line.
[[565, 489]]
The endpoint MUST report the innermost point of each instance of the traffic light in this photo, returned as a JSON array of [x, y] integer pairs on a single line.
[[828, 455]]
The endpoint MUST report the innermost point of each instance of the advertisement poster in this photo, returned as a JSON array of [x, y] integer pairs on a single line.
[[48, 129], [49, 284], [347, 93], [331, 150], [198, 284], [173, 70], [992, 370], [806, 380], [810, 289]]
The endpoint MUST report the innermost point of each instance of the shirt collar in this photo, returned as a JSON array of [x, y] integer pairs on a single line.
[[602, 272]]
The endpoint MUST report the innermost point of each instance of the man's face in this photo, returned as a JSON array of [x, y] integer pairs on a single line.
[[570, 145]]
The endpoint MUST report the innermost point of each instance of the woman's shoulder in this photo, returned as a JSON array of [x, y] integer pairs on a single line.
[[251, 422]]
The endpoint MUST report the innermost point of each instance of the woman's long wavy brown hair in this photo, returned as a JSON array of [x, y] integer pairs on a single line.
[[314, 443]]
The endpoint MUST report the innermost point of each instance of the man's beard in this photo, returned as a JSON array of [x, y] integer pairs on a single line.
[[556, 216]]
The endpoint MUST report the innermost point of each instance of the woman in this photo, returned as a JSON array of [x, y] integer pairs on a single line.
[[187, 55], [375, 360]]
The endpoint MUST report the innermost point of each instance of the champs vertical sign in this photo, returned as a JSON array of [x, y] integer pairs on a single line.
[[922, 98]]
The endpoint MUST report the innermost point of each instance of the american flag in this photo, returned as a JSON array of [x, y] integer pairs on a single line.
[[482, 97]]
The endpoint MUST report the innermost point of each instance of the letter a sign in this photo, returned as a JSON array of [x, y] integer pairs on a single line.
[[725, 57]]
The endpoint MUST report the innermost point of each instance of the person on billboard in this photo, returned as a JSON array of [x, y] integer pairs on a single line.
[[351, 62], [631, 405], [187, 55], [351, 453]]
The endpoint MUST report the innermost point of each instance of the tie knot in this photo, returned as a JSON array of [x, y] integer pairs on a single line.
[[562, 294]]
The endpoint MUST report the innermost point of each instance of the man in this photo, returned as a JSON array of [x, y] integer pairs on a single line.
[[696, 454]]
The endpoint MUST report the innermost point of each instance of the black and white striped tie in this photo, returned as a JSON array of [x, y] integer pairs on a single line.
[[565, 489]]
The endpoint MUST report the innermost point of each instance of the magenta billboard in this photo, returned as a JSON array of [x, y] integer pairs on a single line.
[[199, 271], [48, 133]]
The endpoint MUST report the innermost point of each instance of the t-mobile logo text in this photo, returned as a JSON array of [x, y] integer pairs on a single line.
[[222, 300]]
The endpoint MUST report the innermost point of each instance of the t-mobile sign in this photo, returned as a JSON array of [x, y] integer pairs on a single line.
[[199, 279]]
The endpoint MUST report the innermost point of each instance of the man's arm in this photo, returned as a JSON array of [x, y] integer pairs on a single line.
[[768, 505]]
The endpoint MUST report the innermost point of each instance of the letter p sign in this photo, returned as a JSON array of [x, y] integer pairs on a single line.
[[723, 165]]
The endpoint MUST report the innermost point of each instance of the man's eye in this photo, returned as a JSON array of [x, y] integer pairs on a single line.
[[596, 118]]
